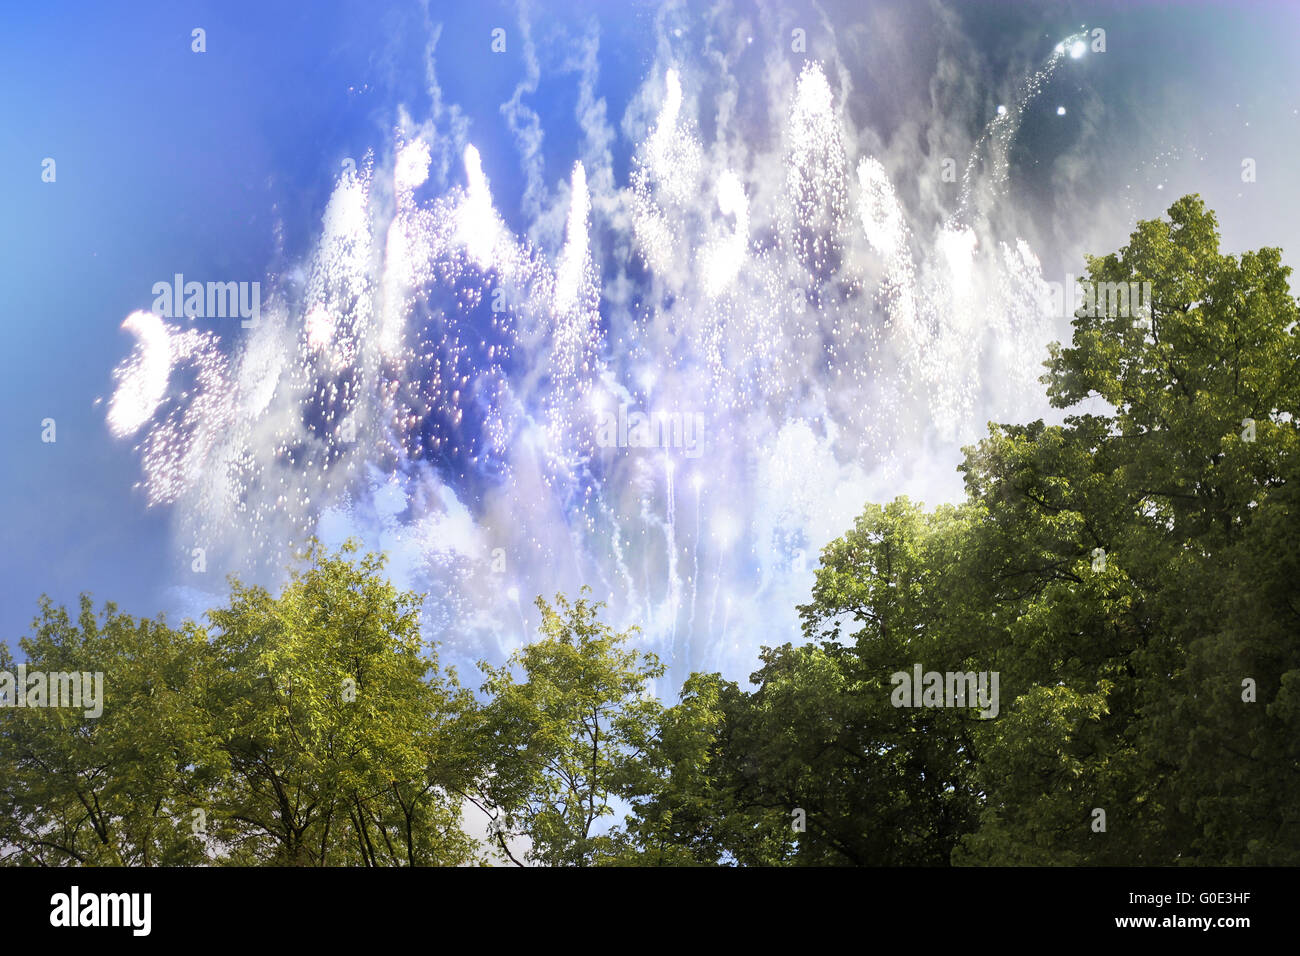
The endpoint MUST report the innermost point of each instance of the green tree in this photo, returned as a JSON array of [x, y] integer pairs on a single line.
[[106, 790], [568, 721], [339, 740], [816, 766], [1129, 574], [1127, 673], [877, 784], [689, 806]]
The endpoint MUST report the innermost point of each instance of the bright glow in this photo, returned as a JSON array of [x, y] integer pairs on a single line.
[[427, 378], [723, 260], [320, 329], [477, 225], [573, 259], [412, 166], [142, 380]]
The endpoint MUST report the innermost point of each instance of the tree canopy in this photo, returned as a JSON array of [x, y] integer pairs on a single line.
[[1128, 576]]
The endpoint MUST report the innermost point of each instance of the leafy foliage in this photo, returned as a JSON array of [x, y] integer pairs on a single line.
[[1129, 574], [566, 739], [105, 790]]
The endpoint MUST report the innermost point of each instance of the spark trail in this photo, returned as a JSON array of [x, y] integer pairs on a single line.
[[433, 382]]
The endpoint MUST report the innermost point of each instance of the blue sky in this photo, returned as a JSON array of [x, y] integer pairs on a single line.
[[221, 165]]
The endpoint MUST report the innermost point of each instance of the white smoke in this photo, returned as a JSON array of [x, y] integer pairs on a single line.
[[434, 382]]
